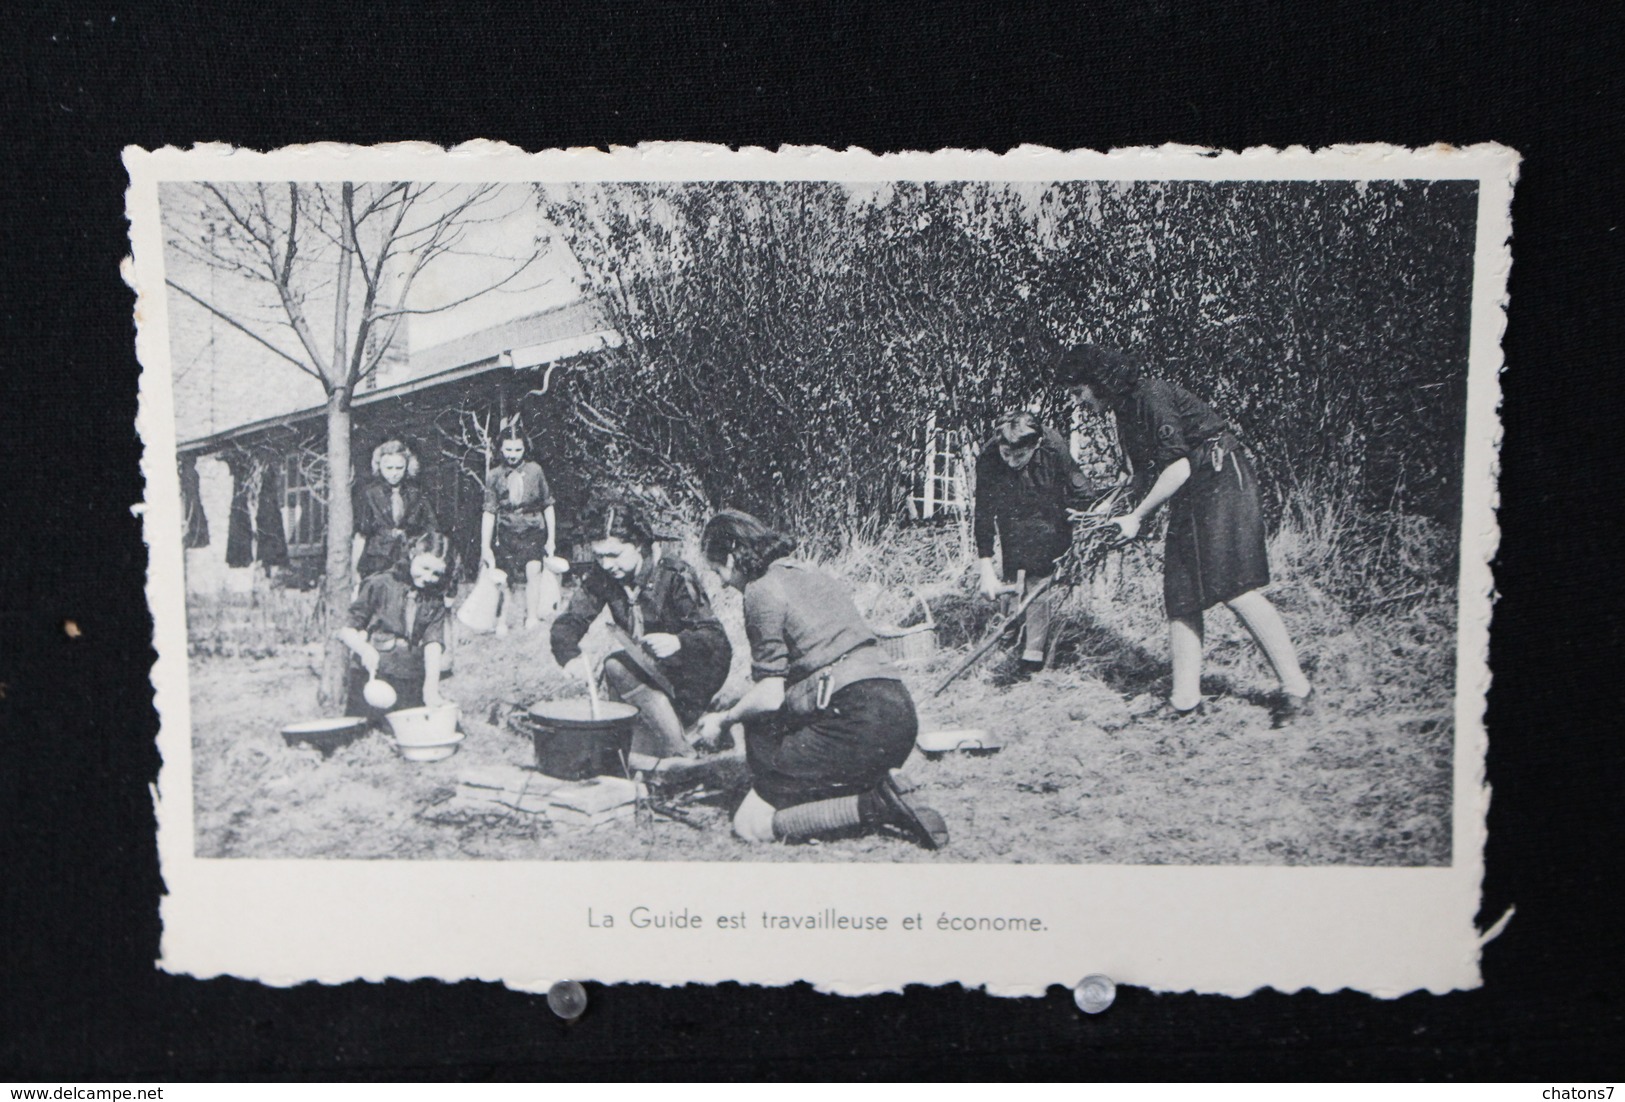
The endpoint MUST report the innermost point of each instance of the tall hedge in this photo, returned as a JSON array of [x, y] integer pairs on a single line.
[[784, 342]]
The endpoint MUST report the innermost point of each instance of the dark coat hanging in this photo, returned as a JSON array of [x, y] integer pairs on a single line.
[[270, 545]]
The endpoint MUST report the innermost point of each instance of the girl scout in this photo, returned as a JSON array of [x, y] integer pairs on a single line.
[[828, 717], [396, 630], [1184, 454], [675, 654], [1026, 479], [390, 511], [517, 527]]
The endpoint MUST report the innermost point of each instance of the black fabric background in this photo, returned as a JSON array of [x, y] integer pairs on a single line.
[[79, 998]]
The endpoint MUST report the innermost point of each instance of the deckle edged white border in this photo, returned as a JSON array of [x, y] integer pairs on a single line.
[[1227, 930]]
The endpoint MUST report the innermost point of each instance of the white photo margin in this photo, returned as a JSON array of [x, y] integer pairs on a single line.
[[1228, 930]]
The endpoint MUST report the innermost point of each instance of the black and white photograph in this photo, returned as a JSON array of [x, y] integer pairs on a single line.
[[1127, 519]]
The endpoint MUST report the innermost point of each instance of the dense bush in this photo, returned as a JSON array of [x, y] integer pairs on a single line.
[[786, 341]]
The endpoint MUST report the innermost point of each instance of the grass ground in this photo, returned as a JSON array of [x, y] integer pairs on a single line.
[[1085, 775]]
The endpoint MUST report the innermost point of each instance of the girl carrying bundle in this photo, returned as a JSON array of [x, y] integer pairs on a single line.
[[1185, 455]]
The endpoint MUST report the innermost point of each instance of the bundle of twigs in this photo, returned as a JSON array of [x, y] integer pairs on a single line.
[[1094, 537]]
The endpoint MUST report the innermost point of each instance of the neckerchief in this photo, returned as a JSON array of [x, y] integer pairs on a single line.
[[635, 589]]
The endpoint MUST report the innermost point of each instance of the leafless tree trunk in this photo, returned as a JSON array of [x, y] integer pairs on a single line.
[[276, 252], [340, 506]]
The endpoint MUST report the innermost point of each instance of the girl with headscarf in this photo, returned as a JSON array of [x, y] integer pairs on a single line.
[[828, 717], [1184, 454], [674, 655]]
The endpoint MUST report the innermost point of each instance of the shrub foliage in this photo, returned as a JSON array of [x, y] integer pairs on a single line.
[[784, 342]]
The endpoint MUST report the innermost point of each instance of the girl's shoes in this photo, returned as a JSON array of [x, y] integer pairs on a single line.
[[1289, 708], [922, 825], [1166, 712]]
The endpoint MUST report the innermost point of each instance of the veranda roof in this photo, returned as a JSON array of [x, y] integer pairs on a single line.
[[536, 340]]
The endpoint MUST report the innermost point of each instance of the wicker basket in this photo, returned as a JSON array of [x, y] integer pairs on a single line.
[[911, 643]]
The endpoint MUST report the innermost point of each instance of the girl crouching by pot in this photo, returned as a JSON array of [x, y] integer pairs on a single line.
[[828, 717], [674, 652], [397, 630]]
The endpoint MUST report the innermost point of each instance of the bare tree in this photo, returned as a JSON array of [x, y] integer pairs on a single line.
[[288, 256]]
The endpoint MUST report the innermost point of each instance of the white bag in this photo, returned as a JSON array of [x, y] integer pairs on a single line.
[[484, 605]]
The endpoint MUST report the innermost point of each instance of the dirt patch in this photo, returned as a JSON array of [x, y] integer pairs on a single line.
[[1083, 778]]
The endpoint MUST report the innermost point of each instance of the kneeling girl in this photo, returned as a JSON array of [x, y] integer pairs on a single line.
[[397, 629], [828, 717]]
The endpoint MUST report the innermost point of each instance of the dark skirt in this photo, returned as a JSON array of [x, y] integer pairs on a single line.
[[514, 547], [381, 552], [1215, 550], [868, 729], [1036, 572], [1033, 543]]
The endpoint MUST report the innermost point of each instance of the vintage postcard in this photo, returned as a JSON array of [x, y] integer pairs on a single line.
[[683, 564]]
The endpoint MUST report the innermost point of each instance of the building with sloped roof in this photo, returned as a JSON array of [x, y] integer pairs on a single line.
[[255, 492]]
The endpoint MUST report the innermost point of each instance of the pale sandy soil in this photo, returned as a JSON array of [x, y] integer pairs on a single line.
[[1366, 781]]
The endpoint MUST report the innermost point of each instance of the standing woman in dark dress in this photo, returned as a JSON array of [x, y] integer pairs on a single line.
[[518, 527], [675, 652], [1185, 454], [390, 511], [828, 717]]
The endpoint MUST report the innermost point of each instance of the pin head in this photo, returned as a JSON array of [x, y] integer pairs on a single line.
[[567, 999], [1094, 993]]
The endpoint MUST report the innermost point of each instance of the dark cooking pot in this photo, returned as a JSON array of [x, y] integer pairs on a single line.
[[572, 745]]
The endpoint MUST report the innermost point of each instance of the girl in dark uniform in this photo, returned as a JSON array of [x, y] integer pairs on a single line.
[[1183, 453], [828, 717], [1026, 479], [390, 511], [518, 526], [397, 630], [675, 653]]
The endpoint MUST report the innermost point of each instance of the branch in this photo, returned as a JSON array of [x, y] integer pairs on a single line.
[[301, 328], [280, 276], [382, 201], [372, 273], [240, 327], [293, 226], [603, 423], [509, 278], [216, 257], [241, 219], [453, 218]]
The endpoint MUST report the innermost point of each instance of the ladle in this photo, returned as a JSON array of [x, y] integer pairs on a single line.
[[592, 692]]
